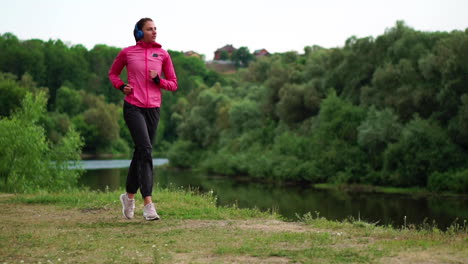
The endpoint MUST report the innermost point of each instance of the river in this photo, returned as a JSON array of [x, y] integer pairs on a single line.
[[290, 201]]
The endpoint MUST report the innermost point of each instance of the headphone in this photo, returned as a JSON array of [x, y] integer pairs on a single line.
[[137, 32]]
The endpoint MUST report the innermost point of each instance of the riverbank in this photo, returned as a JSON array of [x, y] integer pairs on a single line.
[[414, 191], [88, 227], [90, 156]]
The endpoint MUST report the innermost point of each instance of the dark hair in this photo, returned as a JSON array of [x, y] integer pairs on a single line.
[[139, 26]]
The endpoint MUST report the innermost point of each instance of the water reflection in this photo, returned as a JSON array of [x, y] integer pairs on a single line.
[[292, 200], [102, 179]]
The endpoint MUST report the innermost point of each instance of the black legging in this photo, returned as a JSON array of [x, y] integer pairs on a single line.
[[142, 123]]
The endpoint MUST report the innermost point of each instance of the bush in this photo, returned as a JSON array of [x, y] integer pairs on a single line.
[[379, 129], [423, 148], [183, 154], [260, 165], [449, 181], [120, 146], [286, 168], [11, 94], [221, 162], [333, 148], [29, 162]]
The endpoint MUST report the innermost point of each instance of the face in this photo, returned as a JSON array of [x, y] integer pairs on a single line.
[[149, 32]]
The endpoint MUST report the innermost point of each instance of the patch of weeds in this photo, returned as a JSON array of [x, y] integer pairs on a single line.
[[74, 198], [349, 255], [456, 228], [295, 246], [324, 254], [318, 221], [106, 224], [409, 244]]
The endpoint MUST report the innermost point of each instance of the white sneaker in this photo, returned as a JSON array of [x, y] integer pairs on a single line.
[[128, 206], [149, 212]]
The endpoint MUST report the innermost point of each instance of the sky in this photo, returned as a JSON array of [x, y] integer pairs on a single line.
[[206, 25]]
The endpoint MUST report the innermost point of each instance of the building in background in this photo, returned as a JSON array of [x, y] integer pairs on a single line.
[[224, 53], [261, 52], [192, 53]]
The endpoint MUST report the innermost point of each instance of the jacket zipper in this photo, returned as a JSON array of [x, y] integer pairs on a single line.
[[146, 76]]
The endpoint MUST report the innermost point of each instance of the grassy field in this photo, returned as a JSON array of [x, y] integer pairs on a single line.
[[87, 227]]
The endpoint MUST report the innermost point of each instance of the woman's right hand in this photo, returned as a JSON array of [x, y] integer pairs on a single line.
[[127, 89]]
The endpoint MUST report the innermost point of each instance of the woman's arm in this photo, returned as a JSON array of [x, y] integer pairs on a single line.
[[170, 81], [116, 68]]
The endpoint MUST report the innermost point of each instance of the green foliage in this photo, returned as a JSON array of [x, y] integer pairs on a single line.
[[337, 161], [205, 114], [343, 115], [453, 181], [100, 58], [389, 110], [376, 132], [56, 125], [258, 71], [338, 119], [423, 148], [223, 162], [69, 101], [244, 116], [242, 57], [11, 94], [97, 121], [29, 162], [458, 125], [291, 107], [183, 154], [103, 120], [72, 75]]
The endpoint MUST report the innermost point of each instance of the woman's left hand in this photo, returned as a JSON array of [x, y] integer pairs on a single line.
[[153, 74]]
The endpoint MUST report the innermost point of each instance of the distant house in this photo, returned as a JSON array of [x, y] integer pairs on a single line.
[[192, 53], [261, 53], [224, 53]]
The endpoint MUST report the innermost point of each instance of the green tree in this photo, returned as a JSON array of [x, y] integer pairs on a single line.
[[102, 126], [242, 57], [451, 63], [12, 55], [423, 148], [458, 126], [29, 162], [452, 181], [56, 126], [278, 77], [100, 59], [11, 94], [334, 149], [69, 101], [200, 125], [376, 132], [258, 70], [294, 105], [244, 116]]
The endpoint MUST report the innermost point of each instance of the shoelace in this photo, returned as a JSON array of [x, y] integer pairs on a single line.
[[151, 209], [131, 204]]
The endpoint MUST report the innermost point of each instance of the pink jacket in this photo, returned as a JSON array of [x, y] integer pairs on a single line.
[[139, 60]]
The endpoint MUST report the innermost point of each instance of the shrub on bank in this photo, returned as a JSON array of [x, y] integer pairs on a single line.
[[29, 161], [449, 181]]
